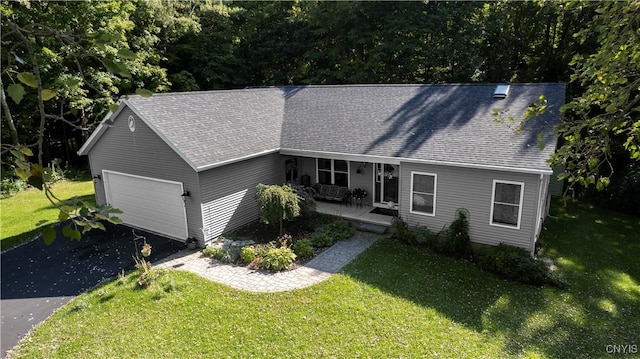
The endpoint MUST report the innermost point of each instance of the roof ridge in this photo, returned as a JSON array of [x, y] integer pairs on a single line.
[[186, 93], [271, 88]]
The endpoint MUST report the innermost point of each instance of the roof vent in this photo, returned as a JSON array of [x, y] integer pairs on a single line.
[[501, 91]]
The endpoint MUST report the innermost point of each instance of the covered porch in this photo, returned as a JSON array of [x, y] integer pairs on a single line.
[[354, 212]]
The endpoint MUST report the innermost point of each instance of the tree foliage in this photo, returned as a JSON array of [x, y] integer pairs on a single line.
[[277, 203], [604, 120], [66, 63]]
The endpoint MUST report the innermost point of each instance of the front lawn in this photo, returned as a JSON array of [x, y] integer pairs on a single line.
[[24, 214], [392, 301]]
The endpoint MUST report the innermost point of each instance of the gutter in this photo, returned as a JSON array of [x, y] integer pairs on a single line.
[[398, 160]]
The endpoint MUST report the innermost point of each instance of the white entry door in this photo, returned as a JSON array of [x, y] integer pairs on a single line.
[[148, 203], [386, 185]]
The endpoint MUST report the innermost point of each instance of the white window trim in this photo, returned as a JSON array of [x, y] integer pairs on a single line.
[[435, 191], [493, 201], [333, 170]]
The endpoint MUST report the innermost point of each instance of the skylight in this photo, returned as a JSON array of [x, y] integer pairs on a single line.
[[501, 91]]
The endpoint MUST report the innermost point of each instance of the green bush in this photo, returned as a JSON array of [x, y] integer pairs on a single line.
[[248, 254], [339, 230], [263, 249], [456, 242], [10, 186], [230, 255], [278, 259], [424, 236], [211, 251], [303, 248], [516, 264], [226, 255], [402, 232], [322, 240]]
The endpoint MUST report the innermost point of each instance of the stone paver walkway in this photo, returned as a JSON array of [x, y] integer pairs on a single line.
[[316, 270]]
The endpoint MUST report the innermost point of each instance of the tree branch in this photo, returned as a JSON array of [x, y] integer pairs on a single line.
[[70, 123], [9, 117]]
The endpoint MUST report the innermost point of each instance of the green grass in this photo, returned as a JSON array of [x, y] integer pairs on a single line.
[[24, 214], [392, 301]]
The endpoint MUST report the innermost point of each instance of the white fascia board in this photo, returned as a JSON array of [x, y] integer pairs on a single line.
[[95, 135], [398, 160]]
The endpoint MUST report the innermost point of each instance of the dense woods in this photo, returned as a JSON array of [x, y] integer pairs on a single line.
[[64, 64]]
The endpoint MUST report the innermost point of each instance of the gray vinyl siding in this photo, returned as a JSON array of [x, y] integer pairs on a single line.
[[363, 180], [143, 153], [556, 187], [471, 189], [228, 192]]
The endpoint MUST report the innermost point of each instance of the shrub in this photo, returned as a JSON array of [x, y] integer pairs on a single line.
[[303, 248], [339, 230], [401, 231], [424, 236], [456, 241], [321, 240], [248, 254], [230, 255], [277, 203], [9, 186], [516, 264], [278, 259], [146, 274], [263, 249], [211, 251]]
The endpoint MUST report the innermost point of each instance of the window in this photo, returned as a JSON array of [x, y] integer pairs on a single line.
[[423, 193], [506, 204], [333, 172]]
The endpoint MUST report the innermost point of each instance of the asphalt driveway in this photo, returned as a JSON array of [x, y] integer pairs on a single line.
[[38, 279]]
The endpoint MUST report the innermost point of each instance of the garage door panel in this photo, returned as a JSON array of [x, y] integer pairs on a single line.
[[148, 203]]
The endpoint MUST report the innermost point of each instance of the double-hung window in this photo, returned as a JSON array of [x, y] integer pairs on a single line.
[[333, 172], [506, 203], [423, 193]]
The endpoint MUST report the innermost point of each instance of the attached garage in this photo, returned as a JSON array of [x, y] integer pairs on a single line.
[[148, 203], [186, 165]]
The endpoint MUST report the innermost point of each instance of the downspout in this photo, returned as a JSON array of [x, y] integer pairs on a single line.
[[537, 228]]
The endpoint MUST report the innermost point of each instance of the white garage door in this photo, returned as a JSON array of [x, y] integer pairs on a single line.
[[148, 203]]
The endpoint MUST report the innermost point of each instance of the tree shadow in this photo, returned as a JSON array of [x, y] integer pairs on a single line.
[[443, 118], [598, 309], [24, 237], [88, 198]]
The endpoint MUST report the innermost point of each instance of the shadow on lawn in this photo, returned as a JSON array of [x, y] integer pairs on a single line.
[[24, 237], [600, 308]]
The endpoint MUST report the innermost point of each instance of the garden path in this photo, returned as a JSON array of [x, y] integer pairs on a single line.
[[316, 270]]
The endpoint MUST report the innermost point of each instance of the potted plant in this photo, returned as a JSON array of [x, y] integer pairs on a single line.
[[359, 194], [146, 250], [192, 243]]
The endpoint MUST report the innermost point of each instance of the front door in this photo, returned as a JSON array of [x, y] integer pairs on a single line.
[[386, 184]]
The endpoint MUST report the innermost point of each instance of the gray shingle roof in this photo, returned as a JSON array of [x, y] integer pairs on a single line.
[[451, 123], [215, 126], [445, 123]]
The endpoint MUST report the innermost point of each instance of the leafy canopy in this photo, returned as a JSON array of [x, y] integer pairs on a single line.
[[607, 113]]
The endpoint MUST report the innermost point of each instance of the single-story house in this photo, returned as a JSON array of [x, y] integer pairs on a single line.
[[186, 165]]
